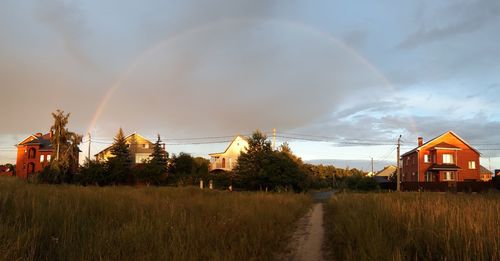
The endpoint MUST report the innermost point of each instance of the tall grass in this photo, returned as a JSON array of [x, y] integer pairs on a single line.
[[43, 222], [413, 226]]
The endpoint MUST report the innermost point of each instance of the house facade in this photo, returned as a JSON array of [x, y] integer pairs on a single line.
[[486, 174], [33, 154], [140, 149], [444, 158], [227, 160], [386, 174]]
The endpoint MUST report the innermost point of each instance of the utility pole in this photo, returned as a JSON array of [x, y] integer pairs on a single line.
[[398, 171], [90, 143], [274, 138], [489, 163], [373, 173]]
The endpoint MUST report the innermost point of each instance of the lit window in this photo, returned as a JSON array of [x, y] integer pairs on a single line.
[[426, 158], [449, 175], [447, 159], [48, 157], [472, 165], [42, 158], [428, 176]]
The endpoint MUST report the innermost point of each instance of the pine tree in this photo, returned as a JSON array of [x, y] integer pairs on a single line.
[[151, 172], [121, 163], [159, 157]]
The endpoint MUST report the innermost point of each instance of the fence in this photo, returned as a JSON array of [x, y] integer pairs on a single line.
[[465, 186]]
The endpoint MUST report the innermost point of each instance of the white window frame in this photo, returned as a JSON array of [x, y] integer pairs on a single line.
[[472, 164], [426, 158], [448, 159]]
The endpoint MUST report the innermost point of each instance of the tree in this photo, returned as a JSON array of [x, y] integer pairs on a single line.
[[64, 163], [184, 169], [152, 171], [159, 157], [262, 168], [93, 172], [120, 165]]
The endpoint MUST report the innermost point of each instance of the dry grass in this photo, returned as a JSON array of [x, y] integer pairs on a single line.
[[413, 226], [42, 222]]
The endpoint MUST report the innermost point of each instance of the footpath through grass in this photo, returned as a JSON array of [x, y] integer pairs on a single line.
[[42, 222], [413, 226]]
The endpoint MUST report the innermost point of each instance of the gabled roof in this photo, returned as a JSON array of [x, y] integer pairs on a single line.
[[485, 170], [387, 171], [126, 138], [438, 137], [42, 140], [230, 144]]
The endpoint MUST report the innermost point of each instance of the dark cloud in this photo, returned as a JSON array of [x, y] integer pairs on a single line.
[[458, 18], [67, 19]]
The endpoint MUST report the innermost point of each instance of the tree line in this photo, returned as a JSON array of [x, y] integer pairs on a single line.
[[258, 168]]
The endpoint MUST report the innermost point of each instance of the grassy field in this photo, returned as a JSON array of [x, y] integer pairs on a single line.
[[413, 226], [42, 222]]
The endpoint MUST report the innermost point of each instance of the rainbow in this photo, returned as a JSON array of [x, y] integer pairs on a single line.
[[202, 28]]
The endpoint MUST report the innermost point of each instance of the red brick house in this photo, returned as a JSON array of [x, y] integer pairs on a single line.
[[33, 154], [444, 158]]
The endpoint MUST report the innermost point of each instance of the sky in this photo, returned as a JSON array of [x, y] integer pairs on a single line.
[[325, 74]]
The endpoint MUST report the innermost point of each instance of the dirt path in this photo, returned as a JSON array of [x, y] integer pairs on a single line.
[[308, 239]]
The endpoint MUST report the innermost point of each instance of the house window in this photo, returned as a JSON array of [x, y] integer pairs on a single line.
[[31, 153], [447, 159], [42, 158], [449, 175], [407, 161], [428, 176], [472, 165], [48, 157], [426, 158]]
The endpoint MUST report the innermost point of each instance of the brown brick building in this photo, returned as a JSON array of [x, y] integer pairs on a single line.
[[444, 158], [33, 154]]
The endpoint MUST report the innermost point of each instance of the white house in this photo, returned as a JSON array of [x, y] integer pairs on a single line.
[[227, 160]]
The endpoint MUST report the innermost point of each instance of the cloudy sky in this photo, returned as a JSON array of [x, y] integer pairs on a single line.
[[337, 71]]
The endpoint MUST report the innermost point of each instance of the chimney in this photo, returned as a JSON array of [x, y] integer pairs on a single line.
[[420, 141], [39, 134]]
